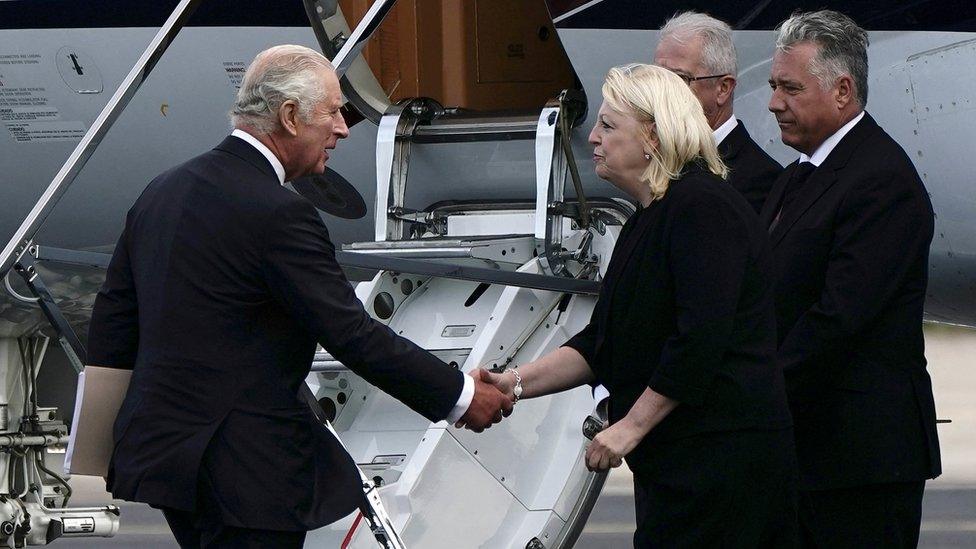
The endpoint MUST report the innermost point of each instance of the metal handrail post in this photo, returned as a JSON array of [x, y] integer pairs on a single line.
[[357, 41]]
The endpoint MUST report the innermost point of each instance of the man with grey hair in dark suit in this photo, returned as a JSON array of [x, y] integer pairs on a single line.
[[698, 48], [219, 288], [850, 225]]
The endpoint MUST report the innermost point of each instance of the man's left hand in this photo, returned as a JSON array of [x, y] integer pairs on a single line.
[[611, 445]]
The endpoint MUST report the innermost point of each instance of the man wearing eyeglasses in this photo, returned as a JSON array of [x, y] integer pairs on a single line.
[[699, 49]]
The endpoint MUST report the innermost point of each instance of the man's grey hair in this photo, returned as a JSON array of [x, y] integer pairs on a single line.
[[843, 47], [718, 51], [276, 75]]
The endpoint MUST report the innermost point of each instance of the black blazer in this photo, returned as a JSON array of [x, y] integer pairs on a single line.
[[686, 309], [219, 288], [752, 172], [851, 261]]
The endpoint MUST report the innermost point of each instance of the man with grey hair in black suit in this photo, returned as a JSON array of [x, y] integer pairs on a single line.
[[219, 288], [850, 225], [698, 48]]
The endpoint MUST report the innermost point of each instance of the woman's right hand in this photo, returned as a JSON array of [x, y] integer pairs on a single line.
[[505, 381]]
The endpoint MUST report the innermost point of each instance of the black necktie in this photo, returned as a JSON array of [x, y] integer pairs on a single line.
[[800, 175]]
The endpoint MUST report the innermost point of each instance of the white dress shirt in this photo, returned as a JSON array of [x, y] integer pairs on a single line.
[[827, 146], [463, 401], [723, 131], [467, 392]]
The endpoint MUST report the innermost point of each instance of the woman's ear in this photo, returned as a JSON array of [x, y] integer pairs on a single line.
[[652, 140]]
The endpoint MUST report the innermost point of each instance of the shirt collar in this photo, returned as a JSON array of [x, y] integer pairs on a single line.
[[275, 163], [825, 148], [723, 131]]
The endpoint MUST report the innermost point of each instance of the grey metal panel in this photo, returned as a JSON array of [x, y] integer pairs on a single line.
[[946, 117]]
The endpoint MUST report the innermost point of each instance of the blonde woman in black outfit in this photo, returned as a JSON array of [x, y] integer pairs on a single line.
[[683, 333]]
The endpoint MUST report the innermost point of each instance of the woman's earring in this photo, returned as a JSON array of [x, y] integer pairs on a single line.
[[647, 156]]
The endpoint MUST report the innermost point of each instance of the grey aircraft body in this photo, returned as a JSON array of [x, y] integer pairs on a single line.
[[60, 66]]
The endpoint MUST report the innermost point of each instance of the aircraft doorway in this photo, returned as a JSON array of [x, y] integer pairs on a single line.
[[477, 55]]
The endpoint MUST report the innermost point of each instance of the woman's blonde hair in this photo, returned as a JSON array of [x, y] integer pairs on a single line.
[[653, 94]]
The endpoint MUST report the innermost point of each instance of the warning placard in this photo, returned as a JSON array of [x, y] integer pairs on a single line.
[[29, 132], [20, 58], [28, 114], [23, 97], [235, 72]]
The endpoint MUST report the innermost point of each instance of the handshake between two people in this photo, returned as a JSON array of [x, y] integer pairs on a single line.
[[494, 398]]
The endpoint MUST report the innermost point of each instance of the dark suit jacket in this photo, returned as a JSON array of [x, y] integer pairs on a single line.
[[686, 309], [751, 171], [851, 262], [219, 288]]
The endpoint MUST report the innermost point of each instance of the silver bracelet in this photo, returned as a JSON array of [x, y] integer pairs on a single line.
[[517, 391]]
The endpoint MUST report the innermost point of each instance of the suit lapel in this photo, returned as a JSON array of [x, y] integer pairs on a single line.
[[822, 179], [628, 242], [622, 255], [729, 148]]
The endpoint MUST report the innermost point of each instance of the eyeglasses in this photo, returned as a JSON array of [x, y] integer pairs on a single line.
[[629, 67], [689, 79]]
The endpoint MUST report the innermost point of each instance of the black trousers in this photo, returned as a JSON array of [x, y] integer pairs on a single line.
[[197, 531], [733, 489], [876, 515]]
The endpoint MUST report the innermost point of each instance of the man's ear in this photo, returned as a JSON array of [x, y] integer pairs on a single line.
[[288, 117], [844, 93], [726, 85]]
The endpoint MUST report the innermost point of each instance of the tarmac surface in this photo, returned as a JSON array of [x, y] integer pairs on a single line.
[[949, 506]]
